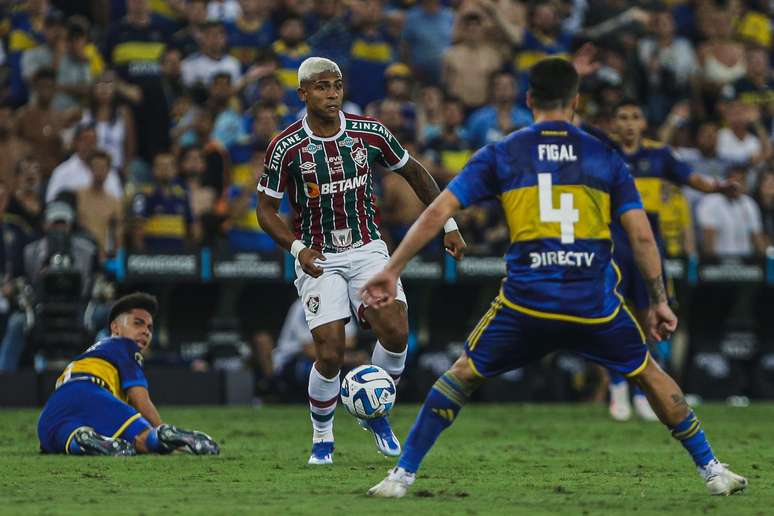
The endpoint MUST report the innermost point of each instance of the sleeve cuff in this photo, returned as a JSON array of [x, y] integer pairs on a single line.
[[464, 201], [270, 192], [135, 383], [629, 206], [402, 161]]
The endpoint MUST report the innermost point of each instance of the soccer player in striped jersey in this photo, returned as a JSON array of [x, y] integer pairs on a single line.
[[560, 189], [325, 163]]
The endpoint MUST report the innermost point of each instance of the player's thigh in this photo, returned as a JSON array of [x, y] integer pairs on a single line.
[[366, 262], [325, 298], [619, 345], [505, 339]]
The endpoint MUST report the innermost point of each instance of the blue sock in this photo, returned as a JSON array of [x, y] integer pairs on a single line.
[[692, 437], [441, 407], [616, 378], [153, 443]]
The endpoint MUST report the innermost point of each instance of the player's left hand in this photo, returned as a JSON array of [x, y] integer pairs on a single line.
[[454, 244], [380, 290], [661, 323], [729, 188]]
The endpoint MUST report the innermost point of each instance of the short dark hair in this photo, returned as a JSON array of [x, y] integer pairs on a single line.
[[44, 73], [553, 83], [135, 301], [627, 102]]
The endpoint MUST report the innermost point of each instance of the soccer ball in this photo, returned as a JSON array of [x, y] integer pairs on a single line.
[[368, 392]]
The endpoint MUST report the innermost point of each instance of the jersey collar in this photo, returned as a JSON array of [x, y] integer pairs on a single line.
[[310, 134]]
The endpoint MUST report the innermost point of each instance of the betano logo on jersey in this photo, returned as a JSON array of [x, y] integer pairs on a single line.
[[344, 185]]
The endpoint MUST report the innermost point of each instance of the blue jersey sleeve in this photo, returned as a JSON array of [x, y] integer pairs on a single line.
[[128, 360], [623, 192], [478, 179], [676, 170]]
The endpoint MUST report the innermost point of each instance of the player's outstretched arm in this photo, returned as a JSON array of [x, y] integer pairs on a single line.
[[380, 290], [427, 190], [661, 321], [139, 398], [271, 222], [708, 184]]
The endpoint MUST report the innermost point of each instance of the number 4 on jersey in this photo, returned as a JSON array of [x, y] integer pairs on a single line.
[[566, 215]]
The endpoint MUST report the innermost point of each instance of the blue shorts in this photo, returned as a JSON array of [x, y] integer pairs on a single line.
[[507, 339], [83, 403]]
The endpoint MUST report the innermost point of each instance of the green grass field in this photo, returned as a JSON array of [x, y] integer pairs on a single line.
[[496, 459]]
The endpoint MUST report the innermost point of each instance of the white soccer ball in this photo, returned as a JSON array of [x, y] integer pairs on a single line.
[[368, 392]]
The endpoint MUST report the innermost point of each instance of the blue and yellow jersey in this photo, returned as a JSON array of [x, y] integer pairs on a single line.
[[245, 42], [535, 47], [166, 212], [114, 363], [369, 57], [651, 166], [135, 53], [25, 33], [675, 221], [289, 60], [560, 188]]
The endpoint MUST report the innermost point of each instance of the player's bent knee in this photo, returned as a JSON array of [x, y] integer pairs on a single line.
[[465, 373]]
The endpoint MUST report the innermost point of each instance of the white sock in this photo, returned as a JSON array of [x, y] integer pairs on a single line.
[[323, 396], [390, 361]]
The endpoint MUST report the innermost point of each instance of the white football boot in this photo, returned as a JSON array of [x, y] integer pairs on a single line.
[[620, 407], [643, 408], [720, 480], [395, 484]]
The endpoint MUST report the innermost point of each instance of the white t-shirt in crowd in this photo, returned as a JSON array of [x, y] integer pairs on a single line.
[[224, 10], [201, 68], [74, 174], [732, 149], [295, 335], [734, 220]]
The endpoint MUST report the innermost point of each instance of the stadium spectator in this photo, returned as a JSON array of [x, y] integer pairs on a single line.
[[133, 48], [12, 148], [270, 91], [162, 219], [429, 113], [469, 64], [59, 220], [252, 31], [485, 230], [193, 167], [290, 50], [449, 151], [731, 223], [427, 33], [736, 143], [228, 129], [371, 52], [186, 40], [25, 206], [757, 86], [265, 124], [202, 67], [543, 36], [328, 26], [41, 125], [14, 236], [670, 65], [99, 212], [702, 155], [75, 173], [492, 122], [677, 229], [112, 119], [398, 85], [25, 33], [73, 68], [764, 196], [42, 55]]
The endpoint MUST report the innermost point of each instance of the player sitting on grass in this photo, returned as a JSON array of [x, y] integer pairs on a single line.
[[560, 189], [101, 404]]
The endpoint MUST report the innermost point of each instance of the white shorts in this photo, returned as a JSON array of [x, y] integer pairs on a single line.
[[335, 294]]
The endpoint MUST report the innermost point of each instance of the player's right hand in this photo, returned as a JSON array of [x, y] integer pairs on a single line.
[[662, 322], [307, 258]]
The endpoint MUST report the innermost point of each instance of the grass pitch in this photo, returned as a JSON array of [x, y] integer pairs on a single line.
[[496, 459]]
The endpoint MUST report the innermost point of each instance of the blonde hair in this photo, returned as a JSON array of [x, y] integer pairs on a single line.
[[316, 65]]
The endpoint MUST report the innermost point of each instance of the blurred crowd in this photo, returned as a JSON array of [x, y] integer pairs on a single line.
[[141, 125]]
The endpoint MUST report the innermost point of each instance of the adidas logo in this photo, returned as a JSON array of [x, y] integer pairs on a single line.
[[447, 414]]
